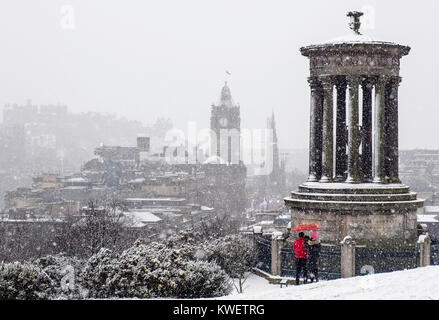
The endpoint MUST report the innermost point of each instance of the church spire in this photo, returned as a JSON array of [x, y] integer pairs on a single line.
[[271, 124]]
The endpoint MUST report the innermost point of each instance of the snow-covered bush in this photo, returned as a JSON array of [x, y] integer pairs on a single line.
[[145, 271], [181, 267], [203, 279], [25, 281], [97, 271], [184, 238], [65, 273], [153, 270]]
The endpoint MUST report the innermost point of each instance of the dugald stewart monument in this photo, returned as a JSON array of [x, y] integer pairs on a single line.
[[353, 189]]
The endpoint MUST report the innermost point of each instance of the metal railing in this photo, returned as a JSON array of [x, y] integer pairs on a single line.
[[379, 260], [329, 262], [264, 254]]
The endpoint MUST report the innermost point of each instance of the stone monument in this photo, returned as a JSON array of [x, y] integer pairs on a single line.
[[353, 187]]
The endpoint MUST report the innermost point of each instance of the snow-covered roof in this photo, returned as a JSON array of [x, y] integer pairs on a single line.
[[144, 216], [428, 218], [155, 199], [140, 219], [356, 38], [169, 214], [138, 180], [431, 209], [257, 229], [79, 179], [5, 218], [75, 188], [277, 235], [214, 160]]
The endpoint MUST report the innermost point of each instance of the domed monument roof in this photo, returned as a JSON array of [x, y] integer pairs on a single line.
[[356, 40], [355, 54]]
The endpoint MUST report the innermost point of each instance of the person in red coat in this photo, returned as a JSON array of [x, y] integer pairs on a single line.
[[301, 255]]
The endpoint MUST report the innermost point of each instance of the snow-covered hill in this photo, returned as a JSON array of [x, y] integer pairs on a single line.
[[419, 284]]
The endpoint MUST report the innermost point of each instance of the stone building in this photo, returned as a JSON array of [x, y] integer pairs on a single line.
[[224, 170]]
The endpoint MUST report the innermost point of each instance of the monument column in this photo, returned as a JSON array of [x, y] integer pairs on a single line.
[[315, 136], [366, 147], [328, 139], [353, 128], [340, 134], [392, 130], [379, 130]]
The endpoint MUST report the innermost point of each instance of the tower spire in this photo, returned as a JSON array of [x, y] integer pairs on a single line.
[[226, 97]]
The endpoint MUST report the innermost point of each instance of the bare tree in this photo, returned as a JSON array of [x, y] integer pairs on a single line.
[[219, 226], [98, 227]]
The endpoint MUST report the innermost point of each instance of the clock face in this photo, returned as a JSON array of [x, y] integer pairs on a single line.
[[223, 122]]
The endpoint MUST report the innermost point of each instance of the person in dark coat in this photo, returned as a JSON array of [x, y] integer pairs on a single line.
[[314, 248], [301, 256]]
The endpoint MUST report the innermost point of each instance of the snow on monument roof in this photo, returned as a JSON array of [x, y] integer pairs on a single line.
[[353, 38]]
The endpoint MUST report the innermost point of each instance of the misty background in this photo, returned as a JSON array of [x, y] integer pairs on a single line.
[[147, 59]]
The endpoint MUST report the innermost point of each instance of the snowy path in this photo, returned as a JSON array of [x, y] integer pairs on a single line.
[[420, 284]]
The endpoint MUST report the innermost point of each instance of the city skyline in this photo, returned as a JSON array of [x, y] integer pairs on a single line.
[[170, 59]]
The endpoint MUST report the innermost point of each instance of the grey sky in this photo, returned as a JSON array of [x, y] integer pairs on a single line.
[[143, 59]]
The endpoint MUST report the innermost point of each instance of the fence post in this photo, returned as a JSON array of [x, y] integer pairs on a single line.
[[424, 242], [257, 231], [347, 257], [276, 256]]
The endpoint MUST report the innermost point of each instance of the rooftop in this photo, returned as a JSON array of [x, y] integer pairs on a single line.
[[355, 38], [140, 218]]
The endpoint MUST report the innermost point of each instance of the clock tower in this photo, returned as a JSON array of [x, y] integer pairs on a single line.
[[225, 125]]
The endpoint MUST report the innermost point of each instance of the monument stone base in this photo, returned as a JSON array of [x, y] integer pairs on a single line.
[[372, 214]]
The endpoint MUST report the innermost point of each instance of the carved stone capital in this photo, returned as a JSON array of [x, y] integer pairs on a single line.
[[368, 82], [382, 80], [327, 82], [353, 80], [395, 81], [314, 83]]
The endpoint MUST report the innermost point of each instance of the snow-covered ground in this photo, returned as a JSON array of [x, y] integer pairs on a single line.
[[414, 284]]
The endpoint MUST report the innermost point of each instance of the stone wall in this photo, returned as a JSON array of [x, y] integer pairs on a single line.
[[364, 227]]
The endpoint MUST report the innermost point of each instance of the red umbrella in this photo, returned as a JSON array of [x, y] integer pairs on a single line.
[[307, 226]]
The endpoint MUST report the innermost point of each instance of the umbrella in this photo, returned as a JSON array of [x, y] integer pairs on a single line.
[[306, 227]]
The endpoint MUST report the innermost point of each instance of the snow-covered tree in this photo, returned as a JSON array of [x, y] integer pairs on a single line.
[[236, 255]]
